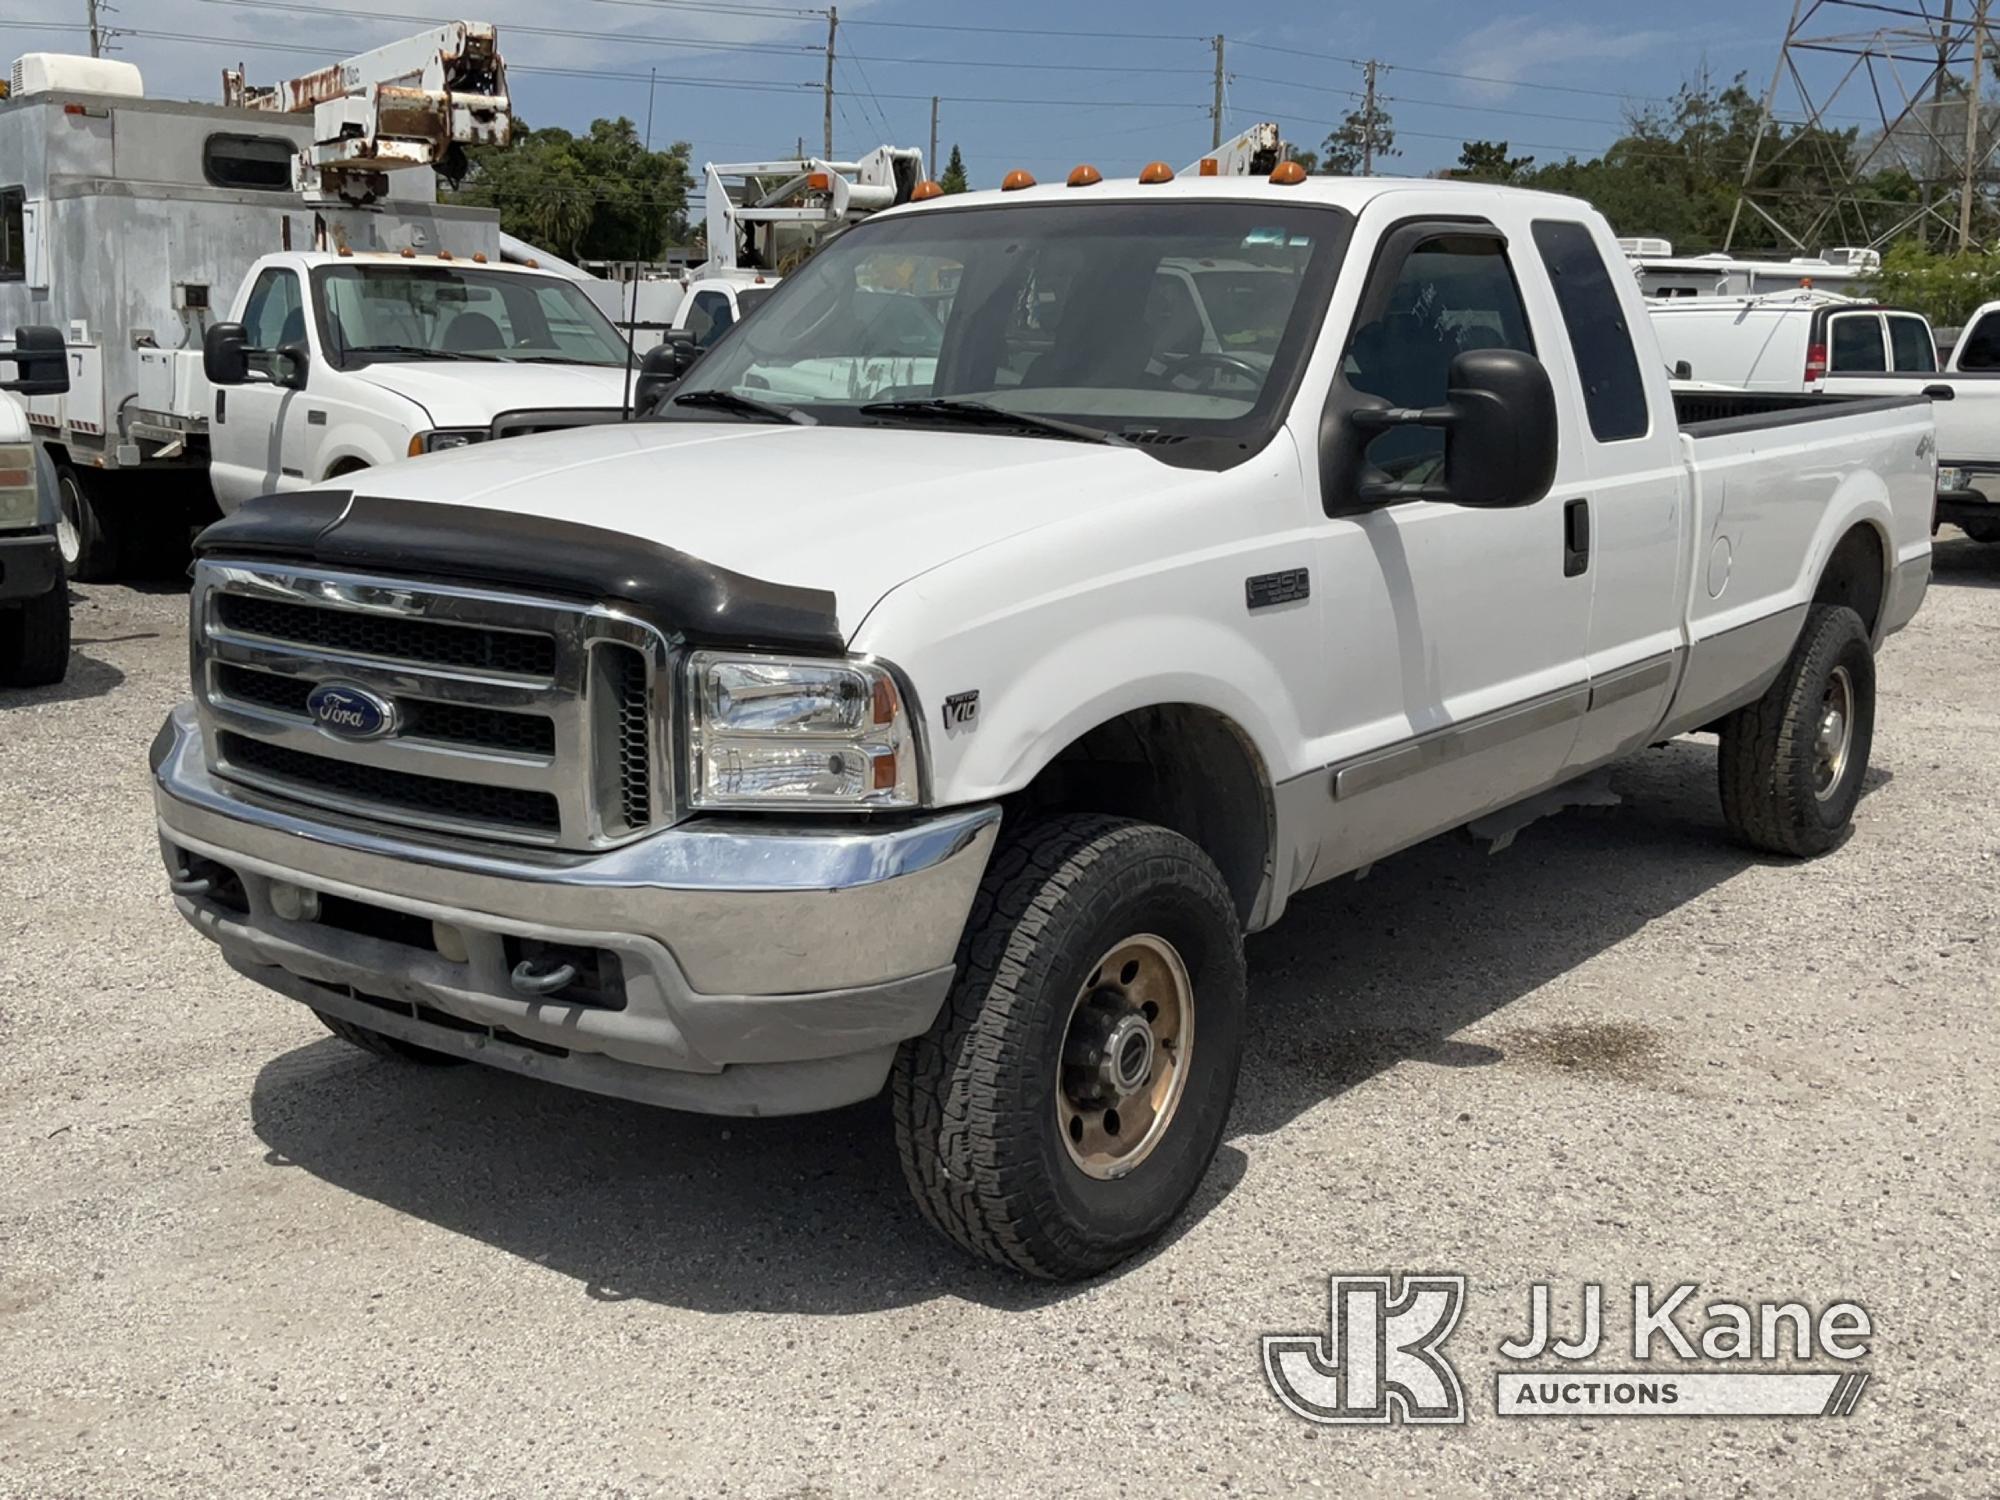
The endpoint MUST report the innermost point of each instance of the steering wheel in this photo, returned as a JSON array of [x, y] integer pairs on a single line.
[[1227, 363]]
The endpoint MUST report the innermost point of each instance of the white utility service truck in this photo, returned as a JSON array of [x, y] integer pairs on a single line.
[[131, 223], [958, 751]]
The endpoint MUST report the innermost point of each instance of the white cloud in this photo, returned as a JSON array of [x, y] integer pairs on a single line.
[[1528, 49]]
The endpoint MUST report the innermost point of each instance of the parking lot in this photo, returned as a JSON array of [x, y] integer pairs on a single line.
[[241, 1256]]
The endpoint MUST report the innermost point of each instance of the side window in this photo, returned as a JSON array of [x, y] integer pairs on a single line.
[[248, 161], [1613, 393], [1453, 293], [1979, 345], [274, 316], [13, 234], [1857, 344], [1911, 344], [709, 318]]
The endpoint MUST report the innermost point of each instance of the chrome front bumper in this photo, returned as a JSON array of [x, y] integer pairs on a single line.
[[768, 969]]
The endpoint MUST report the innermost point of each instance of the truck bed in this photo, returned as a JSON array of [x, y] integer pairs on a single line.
[[1712, 413]]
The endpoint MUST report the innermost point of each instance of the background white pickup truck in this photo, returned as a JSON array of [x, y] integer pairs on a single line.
[[960, 749], [1821, 341]]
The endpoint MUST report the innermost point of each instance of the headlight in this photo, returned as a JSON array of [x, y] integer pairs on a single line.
[[770, 731], [438, 440], [19, 506]]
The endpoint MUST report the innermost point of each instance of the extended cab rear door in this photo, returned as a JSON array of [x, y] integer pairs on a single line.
[[1633, 513]]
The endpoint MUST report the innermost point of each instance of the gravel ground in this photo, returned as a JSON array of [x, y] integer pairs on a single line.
[[240, 1256]]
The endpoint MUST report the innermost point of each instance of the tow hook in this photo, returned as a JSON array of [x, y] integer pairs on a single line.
[[529, 980]]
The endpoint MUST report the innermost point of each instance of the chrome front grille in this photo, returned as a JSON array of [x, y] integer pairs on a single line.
[[518, 718]]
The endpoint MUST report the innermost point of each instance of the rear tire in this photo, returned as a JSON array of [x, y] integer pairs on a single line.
[[34, 639], [993, 1138], [84, 528], [1981, 531], [1792, 763], [386, 1046]]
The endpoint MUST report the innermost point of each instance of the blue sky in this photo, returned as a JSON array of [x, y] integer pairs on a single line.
[[739, 78]]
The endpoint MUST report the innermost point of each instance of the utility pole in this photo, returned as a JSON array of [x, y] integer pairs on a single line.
[[1368, 119], [832, 29], [1934, 160], [96, 31], [931, 160], [1215, 111], [1972, 127]]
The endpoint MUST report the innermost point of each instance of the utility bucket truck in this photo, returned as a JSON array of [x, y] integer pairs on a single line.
[[762, 219], [375, 321]]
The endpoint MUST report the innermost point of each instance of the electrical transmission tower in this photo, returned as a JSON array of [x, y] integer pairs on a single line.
[[1906, 92]]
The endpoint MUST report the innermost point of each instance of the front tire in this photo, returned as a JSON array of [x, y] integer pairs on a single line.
[[1981, 530], [1068, 1100], [34, 639], [1792, 762], [89, 546]]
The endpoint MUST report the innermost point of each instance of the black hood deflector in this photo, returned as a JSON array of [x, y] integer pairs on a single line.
[[677, 594]]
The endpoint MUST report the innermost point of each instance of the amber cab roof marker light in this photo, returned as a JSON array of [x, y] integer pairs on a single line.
[[1156, 171], [1210, 167], [1288, 174], [927, 190], [1084, 175], [1015, 180]]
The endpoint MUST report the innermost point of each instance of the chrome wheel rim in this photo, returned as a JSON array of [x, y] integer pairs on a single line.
[[69, 538], [1125, 1055], [1834, 737]]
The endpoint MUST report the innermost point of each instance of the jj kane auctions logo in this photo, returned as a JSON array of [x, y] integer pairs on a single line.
[[1381, 1358]]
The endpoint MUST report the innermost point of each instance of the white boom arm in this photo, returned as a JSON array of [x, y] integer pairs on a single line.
[[415, 103], [1251, 154], [807, 192]]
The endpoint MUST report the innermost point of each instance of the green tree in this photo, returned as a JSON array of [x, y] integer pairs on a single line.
[[1488, 161], [597, 196], [1342, 153], [1946, 288], [954, 179]]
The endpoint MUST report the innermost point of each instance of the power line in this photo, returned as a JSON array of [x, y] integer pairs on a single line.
[[395, 18]]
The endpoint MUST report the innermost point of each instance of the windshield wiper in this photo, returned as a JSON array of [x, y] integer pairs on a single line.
[[418, 351], [981, 413], [721, 400]]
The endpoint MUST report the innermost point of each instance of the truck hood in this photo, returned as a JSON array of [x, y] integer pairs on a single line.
[[463, 393], [855, 511]]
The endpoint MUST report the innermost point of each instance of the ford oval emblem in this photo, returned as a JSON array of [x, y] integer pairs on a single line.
[[350, 713]]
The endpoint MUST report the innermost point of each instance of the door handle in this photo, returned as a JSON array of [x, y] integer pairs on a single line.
[[1576, 538]]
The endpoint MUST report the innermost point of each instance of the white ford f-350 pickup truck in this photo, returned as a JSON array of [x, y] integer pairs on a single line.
[[951, 735]]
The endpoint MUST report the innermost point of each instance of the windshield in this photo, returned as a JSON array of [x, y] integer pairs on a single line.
[[1168, 321], [450, 312]]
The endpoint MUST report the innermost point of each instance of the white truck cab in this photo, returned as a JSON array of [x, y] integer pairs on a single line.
[[1020, 675], [332, 363]]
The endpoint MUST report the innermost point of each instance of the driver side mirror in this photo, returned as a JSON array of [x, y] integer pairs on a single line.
[[680, 344], [225, 354], [1500, 434], [658, 371], [290, 365], [38, 354], [1683, 370]]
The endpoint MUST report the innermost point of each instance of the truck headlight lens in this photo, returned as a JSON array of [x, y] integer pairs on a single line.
[[441, 439], [772, 731], [18, 503]]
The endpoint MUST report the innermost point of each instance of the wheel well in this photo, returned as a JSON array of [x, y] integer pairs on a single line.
[[1183, 767], [346, 466], [1855, 575]]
